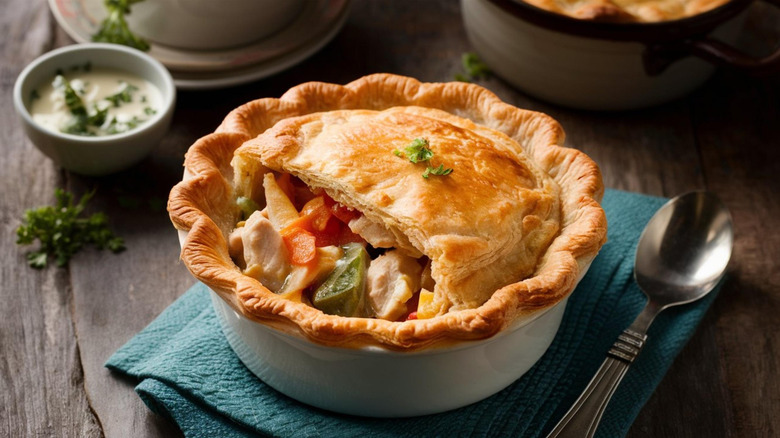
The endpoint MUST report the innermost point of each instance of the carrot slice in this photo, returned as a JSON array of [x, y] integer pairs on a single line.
[[318, 213], [301, 245]]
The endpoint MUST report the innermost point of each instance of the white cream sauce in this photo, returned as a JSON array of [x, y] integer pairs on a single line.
[[49, 108]]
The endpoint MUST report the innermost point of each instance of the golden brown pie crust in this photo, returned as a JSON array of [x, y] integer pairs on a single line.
[[204, 206], [466, 222], [644, 11]]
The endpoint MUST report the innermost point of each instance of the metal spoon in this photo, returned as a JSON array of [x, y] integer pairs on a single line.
[[682, 254]]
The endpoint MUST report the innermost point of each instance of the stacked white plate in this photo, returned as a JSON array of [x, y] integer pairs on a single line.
[[316, 24]]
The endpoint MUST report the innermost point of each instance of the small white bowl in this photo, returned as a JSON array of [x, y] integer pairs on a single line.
[[96, 156]]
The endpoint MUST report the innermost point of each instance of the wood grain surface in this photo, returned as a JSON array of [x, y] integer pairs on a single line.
[[59, 325]]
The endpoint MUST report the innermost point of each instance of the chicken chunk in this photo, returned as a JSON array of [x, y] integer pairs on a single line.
[[378, 236], [392, 280], [236, 247], [265, 254], [375, 234]]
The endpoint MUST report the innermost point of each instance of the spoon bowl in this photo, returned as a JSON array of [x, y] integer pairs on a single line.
[[684, 250]]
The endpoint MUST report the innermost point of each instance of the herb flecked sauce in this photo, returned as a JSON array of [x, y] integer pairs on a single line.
[[94, 102]]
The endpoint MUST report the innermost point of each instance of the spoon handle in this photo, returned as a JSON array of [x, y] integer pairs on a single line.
[[583, 417]]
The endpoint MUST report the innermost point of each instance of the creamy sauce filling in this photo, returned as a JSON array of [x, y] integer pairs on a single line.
[[113, 102]]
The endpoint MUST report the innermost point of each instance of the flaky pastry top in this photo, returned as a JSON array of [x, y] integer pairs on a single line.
[[646, 11], [510, 231]]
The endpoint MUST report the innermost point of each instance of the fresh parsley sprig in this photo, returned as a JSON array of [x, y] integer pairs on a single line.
[[441, 171], [62, 231], [417, 152], [123, 96], [474, 68], [83, 120], [114, 28], [72, 99]]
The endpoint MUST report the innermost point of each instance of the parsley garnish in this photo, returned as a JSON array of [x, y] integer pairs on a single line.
[[83, 120], [72, 100], [418, 152], [474, 68], [62, 232], [78, 124], [122, 96], [114, 28], [436, 171], [99, 117]]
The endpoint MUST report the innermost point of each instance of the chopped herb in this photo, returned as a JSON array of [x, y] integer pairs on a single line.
[[72, 100], [116, 127], [114, 28], [99, 116], [123, 96], [143, 99], [436, 171], [77, 125], [418, 152], [474, 68], [149, 111], [62, 231]]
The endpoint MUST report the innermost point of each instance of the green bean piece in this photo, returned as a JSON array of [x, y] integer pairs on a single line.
[[343, 291]]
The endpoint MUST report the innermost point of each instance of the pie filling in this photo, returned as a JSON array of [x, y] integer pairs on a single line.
[[403, 213], [308, 248]]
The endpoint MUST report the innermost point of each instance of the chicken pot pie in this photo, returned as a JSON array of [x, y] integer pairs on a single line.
[[644, 11], [388, 212]]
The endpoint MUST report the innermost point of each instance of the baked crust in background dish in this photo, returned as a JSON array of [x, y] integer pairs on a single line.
[[645, 11], [203, 204]]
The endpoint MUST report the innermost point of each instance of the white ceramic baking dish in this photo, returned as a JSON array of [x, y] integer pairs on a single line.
[[606, 66], [377, 382]]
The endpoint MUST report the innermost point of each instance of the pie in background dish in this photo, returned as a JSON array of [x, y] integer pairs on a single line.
[[643, 11], [388, 212]]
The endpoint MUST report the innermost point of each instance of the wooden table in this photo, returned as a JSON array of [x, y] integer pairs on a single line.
[[58, 326]]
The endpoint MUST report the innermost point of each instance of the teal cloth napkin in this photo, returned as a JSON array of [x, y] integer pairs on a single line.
[[189, 374]]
